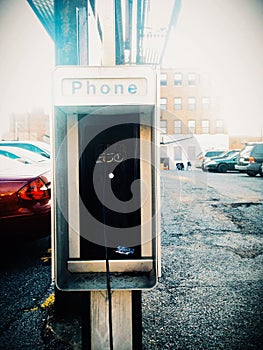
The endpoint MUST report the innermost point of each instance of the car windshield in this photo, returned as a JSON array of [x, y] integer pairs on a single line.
[[213, 153], [246, 150], [37, 147], [27, 156], [232, 156], [8, 154], [44, 146]]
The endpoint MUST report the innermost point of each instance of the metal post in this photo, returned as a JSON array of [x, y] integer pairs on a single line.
[[66, 53]]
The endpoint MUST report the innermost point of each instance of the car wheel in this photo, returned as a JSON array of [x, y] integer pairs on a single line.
[[251, 173], [222, 168]]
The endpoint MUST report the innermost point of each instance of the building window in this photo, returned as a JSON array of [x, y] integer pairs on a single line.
[[177, 153], [163, 103], [177, 126], [219, 126], [205, 127], [163, 127], [191, 79], [178, 79], [205, 103], [191, 126], [163, 79], [191, 103], [177, 103]]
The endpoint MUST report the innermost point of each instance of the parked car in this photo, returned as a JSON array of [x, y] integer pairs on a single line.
[[25, 204], [250, 159], [222, 165], [39, 147], [24, 156], [223, 155], [207, 154]]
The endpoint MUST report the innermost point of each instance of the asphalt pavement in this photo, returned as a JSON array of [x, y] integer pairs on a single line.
[[210, 293]]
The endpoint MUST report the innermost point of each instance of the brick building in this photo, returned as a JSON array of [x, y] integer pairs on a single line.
[[34, 126], [191, 119], [188, 104]]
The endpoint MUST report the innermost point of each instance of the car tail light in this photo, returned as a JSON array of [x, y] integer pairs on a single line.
[[34, 190], [251, 160]]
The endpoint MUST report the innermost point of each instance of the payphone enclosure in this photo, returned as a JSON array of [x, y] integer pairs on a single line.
[[106, 178]]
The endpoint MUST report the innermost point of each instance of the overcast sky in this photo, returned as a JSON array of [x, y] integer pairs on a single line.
[[225, 37], [221, 36], [26, 61]]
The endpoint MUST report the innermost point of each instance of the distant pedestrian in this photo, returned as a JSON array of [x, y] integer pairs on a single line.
[[189, 165], [180, 166]]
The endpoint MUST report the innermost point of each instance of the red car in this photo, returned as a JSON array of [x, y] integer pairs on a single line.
[[25, 203]]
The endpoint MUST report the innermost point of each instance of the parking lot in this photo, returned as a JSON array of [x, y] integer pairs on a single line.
[[210, 293]]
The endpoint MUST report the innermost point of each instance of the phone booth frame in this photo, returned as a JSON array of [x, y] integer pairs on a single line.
[[107, 92]]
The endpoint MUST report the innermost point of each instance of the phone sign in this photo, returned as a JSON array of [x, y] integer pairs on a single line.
[[102, 87]]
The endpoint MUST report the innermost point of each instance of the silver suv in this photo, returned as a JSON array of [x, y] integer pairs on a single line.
[[250, 159]]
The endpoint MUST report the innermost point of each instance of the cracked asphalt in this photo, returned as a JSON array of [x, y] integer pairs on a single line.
[[210, 293]]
